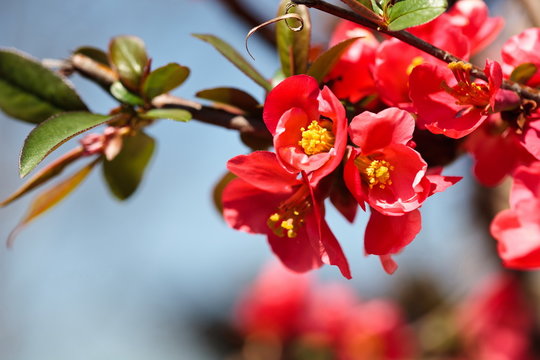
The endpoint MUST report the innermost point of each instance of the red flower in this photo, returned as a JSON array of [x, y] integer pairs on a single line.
[[351, 76], [308, 125], [472, 17], [517, 229], [383, 170], [391, 177], [496, 150], [395, 59], [266, 199], [286, 312], [521, 49], [449, 103], [274, 304], [496, 322]]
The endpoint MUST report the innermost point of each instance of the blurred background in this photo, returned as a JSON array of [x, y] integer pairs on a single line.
[[101, 279]]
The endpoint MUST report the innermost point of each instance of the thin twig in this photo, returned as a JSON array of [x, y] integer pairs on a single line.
[[207, 114], [522, 90]]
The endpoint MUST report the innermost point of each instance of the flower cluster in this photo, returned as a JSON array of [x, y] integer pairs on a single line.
[[294, 314], [284, 315], [382, 150]]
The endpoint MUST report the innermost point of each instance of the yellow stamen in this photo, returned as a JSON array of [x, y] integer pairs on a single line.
[[289, 216], [374, 172], [414, 63], [317, 139]]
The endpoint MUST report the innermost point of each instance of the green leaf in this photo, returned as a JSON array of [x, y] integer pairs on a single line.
[[50, 171], [128, 56], [93, 53], [408, 13], [377, 9], [523, 73], [124, 173], [234, 57], [173, 114], [326, 61], [123, 95], [164, 79], [52, 133], [51, 197], [293, 46], [31, 92], [230, 96], [365, 9]]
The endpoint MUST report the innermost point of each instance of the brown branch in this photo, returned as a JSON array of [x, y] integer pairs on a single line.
[[210, 115], [207, 114], [524, 91]]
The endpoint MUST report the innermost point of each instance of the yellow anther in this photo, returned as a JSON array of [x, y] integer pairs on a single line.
[[378, 173], [414, 63], [274, 217], [316, 139], [287, 224], [460, 65]]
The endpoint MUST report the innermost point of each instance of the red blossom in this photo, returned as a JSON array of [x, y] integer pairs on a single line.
[[449, 103], [308, 125], [472, 17], [391, 71], [496, 322], [383, 170], [351, 76], [496, 150], [517, 229], [267, 199], [286, 309], [523, 48]]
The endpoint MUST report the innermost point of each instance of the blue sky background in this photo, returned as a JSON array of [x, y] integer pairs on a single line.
[[99, 279]]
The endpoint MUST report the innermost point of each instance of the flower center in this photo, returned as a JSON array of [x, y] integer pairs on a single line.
[[317, 138], [374, 172], [414, 63], [467, 92], [289, 216]]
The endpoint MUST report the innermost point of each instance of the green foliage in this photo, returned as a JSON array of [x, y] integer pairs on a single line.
[[95, 54], [230, 96], [172, 114], [128, 57], [124, 173], [163, 80], [234, 57], [125, 96], [326, 61], [408, 13], [52, 133], [293, 46], [523, 73], [31, 92]]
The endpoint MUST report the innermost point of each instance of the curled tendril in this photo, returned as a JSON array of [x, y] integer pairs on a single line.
[[283, 17]]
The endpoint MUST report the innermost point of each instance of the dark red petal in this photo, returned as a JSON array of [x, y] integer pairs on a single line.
[[295, 253], [261, 169], [247, 208], [299, 91], [389, 234], [352, 179]]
